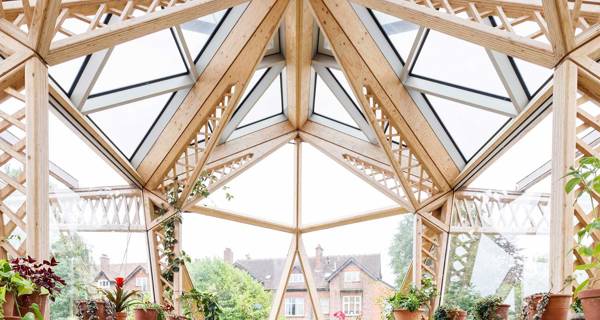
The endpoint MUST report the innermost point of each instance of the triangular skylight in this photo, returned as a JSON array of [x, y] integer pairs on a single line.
[[65, 73], [532, 75], [466, 65], [401, 34], [341, 79], [141, 60], [128, 124], [198, 32], [327, 105], [470, 128], [268, 105], [258, 74]]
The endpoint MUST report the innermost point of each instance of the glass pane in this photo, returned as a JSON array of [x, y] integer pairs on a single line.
[[269, 104], [65, 73], [400, 33], [144, 59], [128, 124], [482, 124], [341, 79], [197, 32], [272, 200], [466, 64], [327, 105], [71, 154], [258, 74], [241, 264], [330, 191], [356, 274], [533, 75]]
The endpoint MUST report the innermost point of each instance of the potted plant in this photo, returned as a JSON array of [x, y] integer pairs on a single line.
[[121, 299], [201, 305], [546, 305], [449, 312], [411, 305], [12, 285], [95, 310], [490, 308], [47, 283], [587, 177], [147, 310]]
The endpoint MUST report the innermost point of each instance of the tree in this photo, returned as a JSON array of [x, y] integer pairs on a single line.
[[76, 267], [401, 249], [240, 296]]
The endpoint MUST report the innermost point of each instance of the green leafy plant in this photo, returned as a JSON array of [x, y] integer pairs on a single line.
[[201, 301], [446, 312], [120, 298], [12, 282], [148, 305], [485, 308], [35, 314], [415, 298], [586, 177]]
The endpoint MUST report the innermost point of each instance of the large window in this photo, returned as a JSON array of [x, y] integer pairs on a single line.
[[352, 305], [294, 306]]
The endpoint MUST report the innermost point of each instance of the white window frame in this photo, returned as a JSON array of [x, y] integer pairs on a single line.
[[141, 282], [103, 283], [324, 305], [352, 305], [294, 307], [351, 276], [296, 278]]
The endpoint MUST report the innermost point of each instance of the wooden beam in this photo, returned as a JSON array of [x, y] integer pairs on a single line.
[[288, 265], [43, 25], [110, 36], [355, 218], [236, 217], [232, 63], [309, 279], [474, 32], [560, 26], [298, 53], [36, 163], [563, 151]]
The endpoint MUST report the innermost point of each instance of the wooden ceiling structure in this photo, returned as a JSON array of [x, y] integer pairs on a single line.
[[405, 159]]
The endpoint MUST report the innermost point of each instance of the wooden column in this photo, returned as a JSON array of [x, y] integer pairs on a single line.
[[563, 157], [36, 162], [417, 272]]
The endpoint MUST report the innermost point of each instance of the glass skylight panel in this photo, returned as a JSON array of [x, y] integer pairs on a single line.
[[400, 33], [455, 61], [141, 60], [328, 105], [469, 127], [269, 104], [341, 79], [258, 74], [65, 73], [533, 75], [128, 124], [198, 32]]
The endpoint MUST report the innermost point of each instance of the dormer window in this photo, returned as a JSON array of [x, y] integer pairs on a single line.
[[103, 283], [296, 278], [351, 276]]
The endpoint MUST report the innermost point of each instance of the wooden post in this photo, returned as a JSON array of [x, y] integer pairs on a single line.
[[563, 157], [36, 162], [417, 271]]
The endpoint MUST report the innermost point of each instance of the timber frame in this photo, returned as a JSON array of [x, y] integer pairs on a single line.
[[406, 154]]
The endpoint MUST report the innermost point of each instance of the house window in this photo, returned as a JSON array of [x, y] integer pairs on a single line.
[[141, 283], [294, 306], [103, 283], [351, 276], [296, 278], [324, 305], [352, 305]]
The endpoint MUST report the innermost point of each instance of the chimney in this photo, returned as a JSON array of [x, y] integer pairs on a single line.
[[104, 263], [319, 258], [228, 256]]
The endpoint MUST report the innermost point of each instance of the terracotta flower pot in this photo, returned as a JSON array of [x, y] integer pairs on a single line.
[[590, 301], [401, 314], [458, 315], [557, 308], [82, 306], [9, 304], [502, 311], [121, 315], [149, 314], [26, 301]]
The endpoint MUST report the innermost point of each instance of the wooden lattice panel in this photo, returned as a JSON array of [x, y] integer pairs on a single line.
[[183, 172], [98, 211], [412, 174], [500, 212], [431, 251]]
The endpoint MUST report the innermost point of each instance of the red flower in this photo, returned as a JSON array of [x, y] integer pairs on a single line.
[[120, 282], [340, 315]]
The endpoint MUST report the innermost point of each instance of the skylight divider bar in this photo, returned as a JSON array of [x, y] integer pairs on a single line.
[[188, 59], [412, 56]]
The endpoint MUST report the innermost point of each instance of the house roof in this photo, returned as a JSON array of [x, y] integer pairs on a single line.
[[127, 271], [268, 271]]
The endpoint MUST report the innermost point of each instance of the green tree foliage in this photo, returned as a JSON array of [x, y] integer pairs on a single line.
[[401, 249], [461, 296], [240, 296], [76, 267]]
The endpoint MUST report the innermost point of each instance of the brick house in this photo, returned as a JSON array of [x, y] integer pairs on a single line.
[[352, 284], [137, 276]]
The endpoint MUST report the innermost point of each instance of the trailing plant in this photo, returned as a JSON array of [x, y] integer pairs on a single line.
[[446, 312], [91, 309], [120, 298], [587, 176], [415, 298], [201, 301], [41, 274], [540, 308], [485, 308]]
